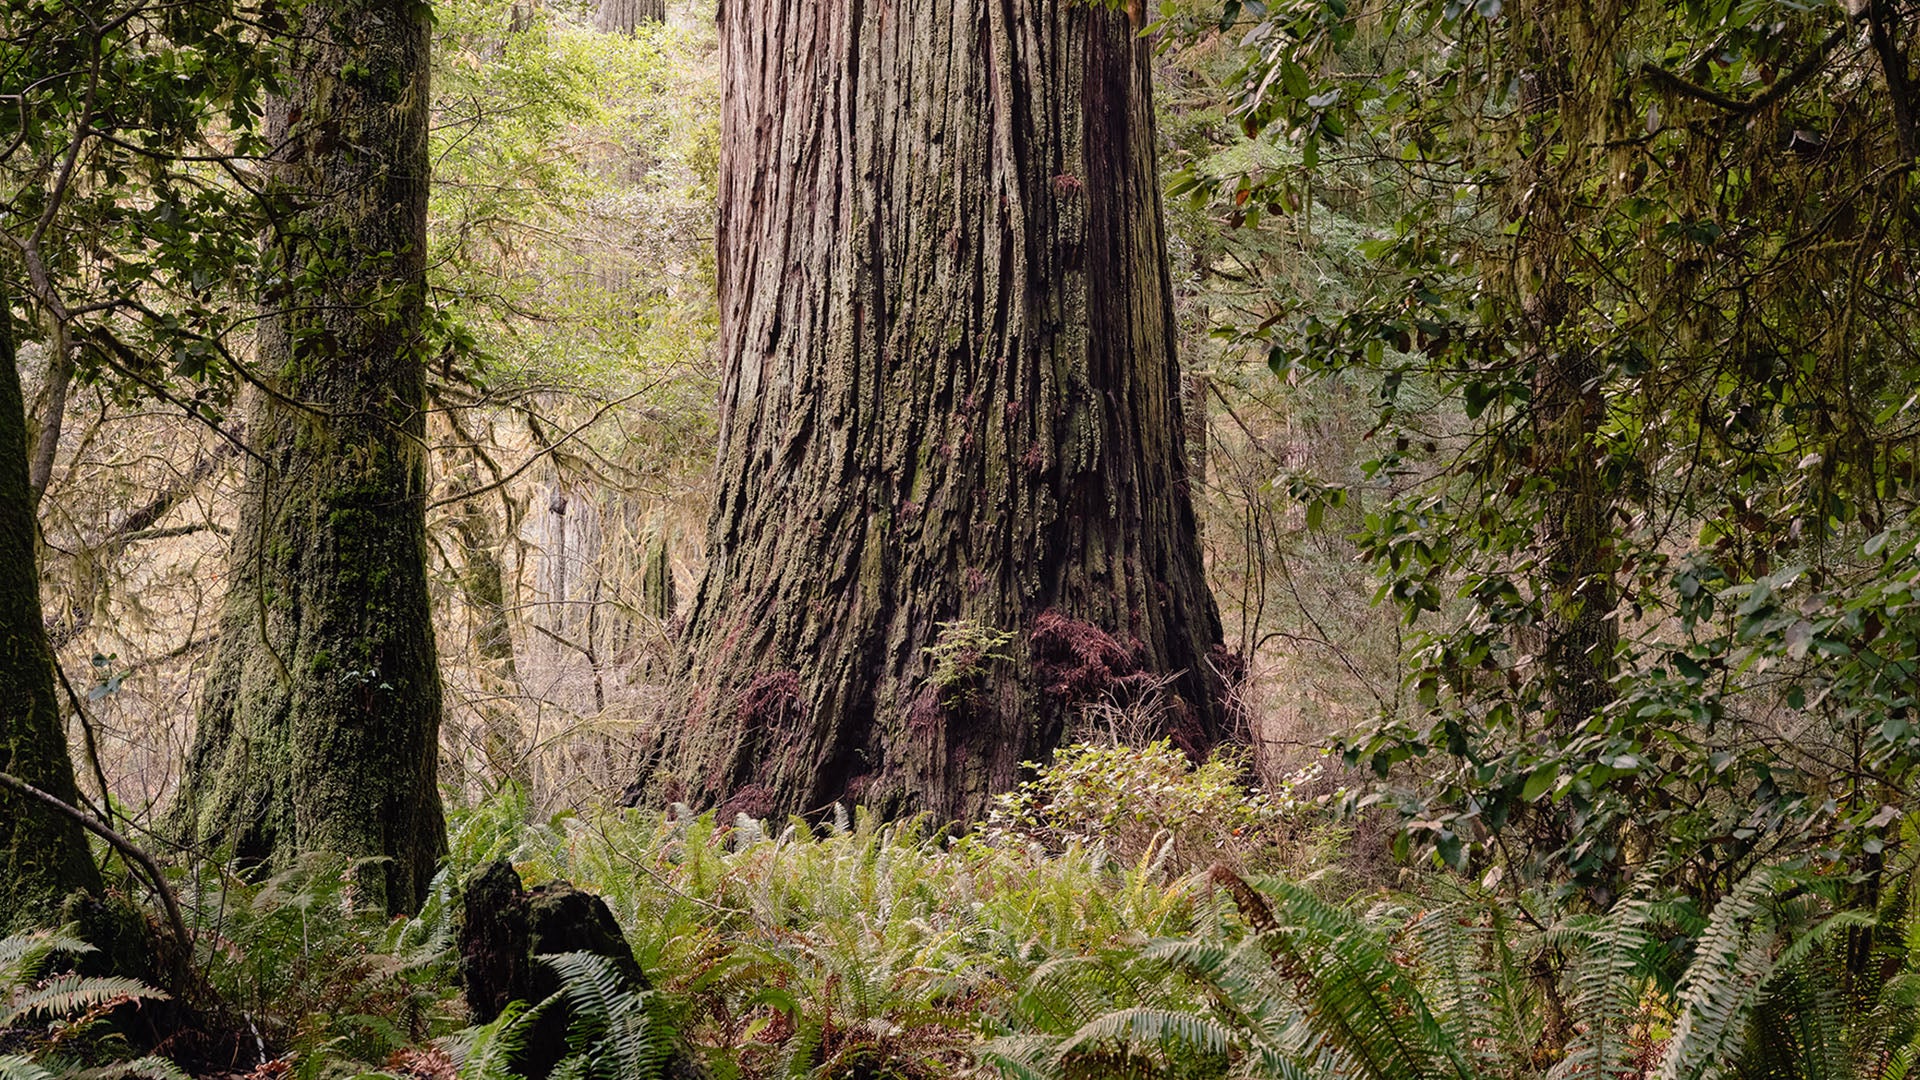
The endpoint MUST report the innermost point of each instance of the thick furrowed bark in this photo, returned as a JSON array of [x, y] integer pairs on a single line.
[[950, 398], [319, 731], [43, 855]]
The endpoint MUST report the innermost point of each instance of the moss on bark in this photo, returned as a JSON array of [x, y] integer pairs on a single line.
[[319, 727], [43, 856]]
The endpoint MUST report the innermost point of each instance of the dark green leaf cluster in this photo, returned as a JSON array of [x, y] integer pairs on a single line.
[[1635, 304], [134, 149]]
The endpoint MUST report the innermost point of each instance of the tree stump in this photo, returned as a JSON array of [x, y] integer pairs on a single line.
[[506, 927]]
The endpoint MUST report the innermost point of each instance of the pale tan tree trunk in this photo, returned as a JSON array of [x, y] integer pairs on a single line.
[[626, 16]]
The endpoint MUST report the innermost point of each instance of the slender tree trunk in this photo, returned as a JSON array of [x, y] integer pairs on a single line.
[[43, 856], [1575, 537], [319, 730], [657, 595], [53, 413], [483, 590], [1566, 91], [951, 412], [1883, 19]]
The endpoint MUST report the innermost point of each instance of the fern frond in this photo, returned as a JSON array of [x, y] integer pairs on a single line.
[[1171, 1033], [1463, 984], [1274, 1065], [611, 1028], [1900, 1064], [142, 1068], [487, 1051], [1354, 995], [65, 995], [1799, 1027], [15, 1067], [23, 957], [1732, 965], [1610, 975], [803, 1047], [1021, 1057]]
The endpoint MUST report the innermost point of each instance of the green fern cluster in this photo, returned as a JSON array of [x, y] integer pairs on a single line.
[[869, 950], [1774, 983], [52, 1020], [1784, 985], [312, 976], [613, 1034], [1306, 988]]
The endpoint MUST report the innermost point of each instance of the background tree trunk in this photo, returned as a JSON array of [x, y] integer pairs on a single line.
[[1575, 536], [45, 855], [951, 399], [319, 730], [658, 598], [626, 16], [484, 592]]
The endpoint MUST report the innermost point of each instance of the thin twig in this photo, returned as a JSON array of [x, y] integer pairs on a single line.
[[93, 745], [175, 921], [529, 463]]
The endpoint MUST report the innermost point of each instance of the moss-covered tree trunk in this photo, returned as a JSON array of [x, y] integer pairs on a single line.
[[1569, 87], [951, 413], [319, 728], [43, 856]]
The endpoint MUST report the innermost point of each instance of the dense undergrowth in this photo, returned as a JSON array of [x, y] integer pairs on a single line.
[[1221, 947]]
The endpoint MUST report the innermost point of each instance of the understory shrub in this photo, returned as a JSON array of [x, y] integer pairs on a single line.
[[1134, 801]]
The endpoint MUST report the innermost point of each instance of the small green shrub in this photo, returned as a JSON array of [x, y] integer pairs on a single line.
[[961, 653], [1132, 802]]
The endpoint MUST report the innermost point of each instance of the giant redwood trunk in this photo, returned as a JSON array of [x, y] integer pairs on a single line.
[[319, 728], [953, 505], [43, 856]]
